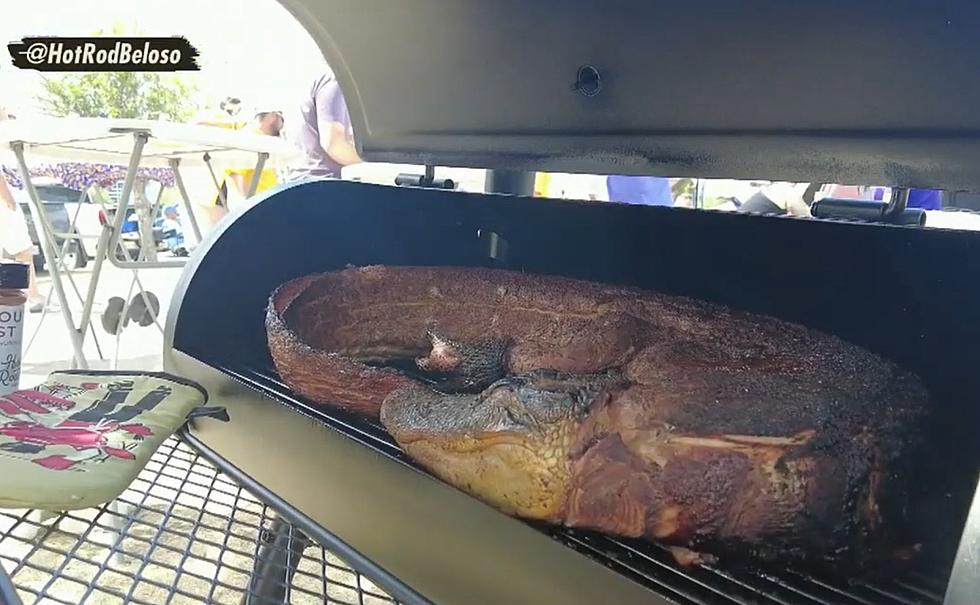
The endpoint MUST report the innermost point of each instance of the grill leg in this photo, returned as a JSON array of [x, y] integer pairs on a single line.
[[281, 548]]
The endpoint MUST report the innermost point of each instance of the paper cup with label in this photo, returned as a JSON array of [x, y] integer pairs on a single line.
[[14, 280]]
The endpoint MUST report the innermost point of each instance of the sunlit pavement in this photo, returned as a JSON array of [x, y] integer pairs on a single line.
[[139, 348]]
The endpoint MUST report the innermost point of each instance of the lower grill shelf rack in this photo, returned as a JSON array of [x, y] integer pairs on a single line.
[[183, 533], [646, 563]]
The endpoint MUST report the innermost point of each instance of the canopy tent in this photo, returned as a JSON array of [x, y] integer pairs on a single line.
[[107, 140], [104, 146]]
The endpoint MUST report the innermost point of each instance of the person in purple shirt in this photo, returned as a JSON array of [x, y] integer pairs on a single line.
[[646, 190], [324, 134]]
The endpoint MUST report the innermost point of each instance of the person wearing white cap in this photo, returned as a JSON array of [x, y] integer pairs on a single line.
[[228, 114], [15, 239], [267, 121], [233, 183]]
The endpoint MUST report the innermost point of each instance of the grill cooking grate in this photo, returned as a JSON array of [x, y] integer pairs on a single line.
[[654, 566], [647, 563], [182, 533]]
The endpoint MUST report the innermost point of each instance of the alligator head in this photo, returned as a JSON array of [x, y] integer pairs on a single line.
[[508, 445]]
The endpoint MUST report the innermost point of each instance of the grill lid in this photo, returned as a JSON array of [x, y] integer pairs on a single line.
[[874, 92]]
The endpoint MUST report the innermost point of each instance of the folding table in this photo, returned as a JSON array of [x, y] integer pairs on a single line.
[[80, 176], [135, 144]]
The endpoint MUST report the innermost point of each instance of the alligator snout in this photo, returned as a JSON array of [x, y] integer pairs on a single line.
[[508, 445], [419, 412], [530, 403]]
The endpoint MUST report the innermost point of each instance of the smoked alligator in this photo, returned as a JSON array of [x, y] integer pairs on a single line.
[[616, 409]]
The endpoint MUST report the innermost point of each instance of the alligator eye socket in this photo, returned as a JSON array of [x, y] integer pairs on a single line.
[[520, 416]]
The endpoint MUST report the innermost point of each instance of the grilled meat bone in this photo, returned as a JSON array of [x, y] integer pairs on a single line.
[[623, 411]]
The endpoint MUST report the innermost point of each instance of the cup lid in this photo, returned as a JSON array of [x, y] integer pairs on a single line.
[[15, 276]]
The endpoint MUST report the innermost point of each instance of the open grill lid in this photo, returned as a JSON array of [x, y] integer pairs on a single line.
[[874, 92]]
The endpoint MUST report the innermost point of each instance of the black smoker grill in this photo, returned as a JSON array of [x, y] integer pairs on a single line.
[[881, 93]]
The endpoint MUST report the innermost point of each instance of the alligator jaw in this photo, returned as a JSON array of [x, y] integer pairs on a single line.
[[509, 446]]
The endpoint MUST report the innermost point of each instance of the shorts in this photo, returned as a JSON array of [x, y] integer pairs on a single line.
[[14, 235]]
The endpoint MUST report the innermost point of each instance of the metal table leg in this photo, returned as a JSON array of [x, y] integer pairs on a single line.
[[254, 183], [144, 256], [280, 551], [8, 594], [86, 195], [109, 239], [64, 267], [188, 207], [214, 180], [47, 249]]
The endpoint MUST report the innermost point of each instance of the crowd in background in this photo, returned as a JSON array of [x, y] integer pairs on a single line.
[[323, 136], [624, 189]]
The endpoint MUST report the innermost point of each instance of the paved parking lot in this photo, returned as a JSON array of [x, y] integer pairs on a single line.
[[139, 347]]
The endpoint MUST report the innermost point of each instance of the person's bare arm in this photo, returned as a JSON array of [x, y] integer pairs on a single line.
[[331, 117], [238, 179], [338, 146], [5, 194]]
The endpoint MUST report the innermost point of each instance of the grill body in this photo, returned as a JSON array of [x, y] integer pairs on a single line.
[[907, 293]]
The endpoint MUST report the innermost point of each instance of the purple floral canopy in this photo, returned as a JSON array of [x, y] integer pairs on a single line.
[[81, 176]]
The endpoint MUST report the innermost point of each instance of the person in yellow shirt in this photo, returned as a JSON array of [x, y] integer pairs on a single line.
[[268, 122], [542, 184], [234, 182], [227, 116]]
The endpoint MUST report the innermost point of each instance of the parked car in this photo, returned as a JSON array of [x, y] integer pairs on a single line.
[[129, 235], [55, 197], [88, 224]]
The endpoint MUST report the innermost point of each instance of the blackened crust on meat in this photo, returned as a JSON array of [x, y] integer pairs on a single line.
[[734, 432], [854, 459]]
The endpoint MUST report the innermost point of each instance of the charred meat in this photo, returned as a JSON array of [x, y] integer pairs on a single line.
[[615, 409]]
